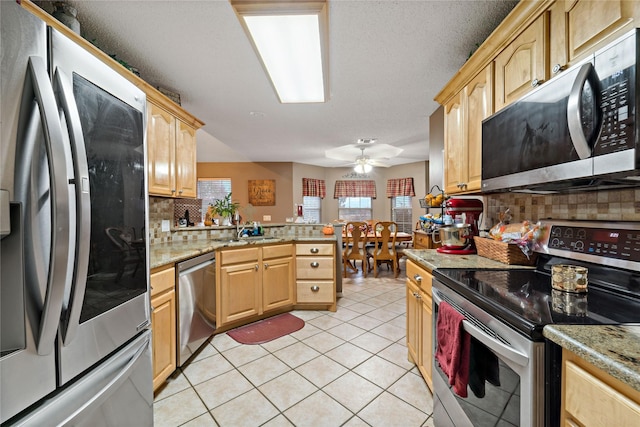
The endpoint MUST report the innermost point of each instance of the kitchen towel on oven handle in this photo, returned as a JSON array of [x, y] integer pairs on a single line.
[[452, 352]]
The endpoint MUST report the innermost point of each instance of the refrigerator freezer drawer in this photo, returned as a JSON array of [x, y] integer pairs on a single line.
[[120, 391]]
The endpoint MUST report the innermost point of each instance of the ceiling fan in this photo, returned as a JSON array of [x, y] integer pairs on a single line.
[[375, 157]]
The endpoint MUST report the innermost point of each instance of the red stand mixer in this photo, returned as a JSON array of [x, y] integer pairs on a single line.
[[457, 238]]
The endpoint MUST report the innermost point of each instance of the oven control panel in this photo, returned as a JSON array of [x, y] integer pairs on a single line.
[[615, 243]]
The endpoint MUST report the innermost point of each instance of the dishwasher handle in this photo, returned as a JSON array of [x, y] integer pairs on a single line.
[[197, 263]]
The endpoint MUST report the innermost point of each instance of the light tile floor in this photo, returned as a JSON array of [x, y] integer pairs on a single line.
[[347, 368]]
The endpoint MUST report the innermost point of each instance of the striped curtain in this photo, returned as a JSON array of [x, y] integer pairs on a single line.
[[353, 188], [400, 187], [314, 187]]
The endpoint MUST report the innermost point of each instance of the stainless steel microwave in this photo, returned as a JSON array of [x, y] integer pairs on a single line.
[[575, 132]]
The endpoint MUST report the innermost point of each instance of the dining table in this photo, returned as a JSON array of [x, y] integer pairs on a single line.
[[401, 236], [402, 239]]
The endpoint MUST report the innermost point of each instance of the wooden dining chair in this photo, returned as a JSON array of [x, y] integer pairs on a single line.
[[355, 241], [384, 250]]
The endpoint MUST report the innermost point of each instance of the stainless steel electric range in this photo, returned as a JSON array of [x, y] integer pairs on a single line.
[[506, 310]]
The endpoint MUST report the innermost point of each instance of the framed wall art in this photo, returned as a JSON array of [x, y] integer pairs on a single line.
[[262, 192]]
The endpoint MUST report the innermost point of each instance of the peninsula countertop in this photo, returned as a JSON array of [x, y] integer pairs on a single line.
[[169, 253]]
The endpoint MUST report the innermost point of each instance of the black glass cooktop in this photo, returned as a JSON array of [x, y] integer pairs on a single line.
[[525, 300]]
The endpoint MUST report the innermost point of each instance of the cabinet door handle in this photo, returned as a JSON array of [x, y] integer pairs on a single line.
[[173, 190], [266, 265], [257, 267], [536, 82], [315, 250], [315, 264], [417, 278], [557, 68], [180, 191], [315, 288]]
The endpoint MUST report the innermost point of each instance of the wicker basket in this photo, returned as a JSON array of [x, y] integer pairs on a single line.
[[508, 253]]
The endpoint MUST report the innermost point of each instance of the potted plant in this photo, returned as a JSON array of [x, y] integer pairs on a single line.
[[226, 209]]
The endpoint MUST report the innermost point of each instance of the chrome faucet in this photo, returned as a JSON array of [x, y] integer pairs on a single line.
[[239, 229]]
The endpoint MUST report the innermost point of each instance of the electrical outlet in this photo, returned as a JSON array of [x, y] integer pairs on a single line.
[[266, 217], [165, 225]]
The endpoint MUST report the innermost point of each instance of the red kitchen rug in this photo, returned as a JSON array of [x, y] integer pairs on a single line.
[[267, 329]]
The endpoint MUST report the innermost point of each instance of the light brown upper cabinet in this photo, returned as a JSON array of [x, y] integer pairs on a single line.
[[578, 27], [172, 154], [186, 176], [463, 134], [523, 64]]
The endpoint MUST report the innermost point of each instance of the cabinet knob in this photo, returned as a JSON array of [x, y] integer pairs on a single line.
[[266, 265], [315, 288], [536, 82], [173, 190], [315, 264], [315, 250], [257, 267], [557, 68], [417, 278], [180, 191]]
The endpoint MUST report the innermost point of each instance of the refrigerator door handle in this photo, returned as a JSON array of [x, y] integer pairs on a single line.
[[38, 86], [71, 313], [113, 385]]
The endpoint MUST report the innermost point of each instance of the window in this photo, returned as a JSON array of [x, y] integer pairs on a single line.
[[212, 189], [401, 213], [311, 209], [354, 208]]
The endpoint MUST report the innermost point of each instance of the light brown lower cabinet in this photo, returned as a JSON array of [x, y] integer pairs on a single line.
[[419, 320], [316, 275], [253, 281], [163, 324], [592, 397]]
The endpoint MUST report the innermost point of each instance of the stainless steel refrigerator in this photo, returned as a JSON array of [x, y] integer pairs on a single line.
[[74, 286]]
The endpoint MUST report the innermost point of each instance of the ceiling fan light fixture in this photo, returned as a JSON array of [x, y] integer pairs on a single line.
[[291, 40], [363, 168], [362, 163]]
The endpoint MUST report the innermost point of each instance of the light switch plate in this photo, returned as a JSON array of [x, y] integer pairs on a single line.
[[266, 217], [165, 225]]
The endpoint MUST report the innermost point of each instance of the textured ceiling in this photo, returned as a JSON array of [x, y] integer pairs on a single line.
[[388, 60]]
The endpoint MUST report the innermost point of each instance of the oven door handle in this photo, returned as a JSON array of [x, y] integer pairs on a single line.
[[500, 348]]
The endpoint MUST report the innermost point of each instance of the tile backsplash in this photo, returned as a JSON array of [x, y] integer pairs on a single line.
[[613, 205], [161, 208]]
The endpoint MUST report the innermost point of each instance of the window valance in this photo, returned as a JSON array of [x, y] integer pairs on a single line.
[[400, 187], [355, 188], [314, 187]]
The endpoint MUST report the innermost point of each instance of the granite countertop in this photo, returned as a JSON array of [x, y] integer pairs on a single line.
[[614, 349], [169, 253], [431, 259]]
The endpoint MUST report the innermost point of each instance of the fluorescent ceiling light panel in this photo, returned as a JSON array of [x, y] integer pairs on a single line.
[[289, 38]]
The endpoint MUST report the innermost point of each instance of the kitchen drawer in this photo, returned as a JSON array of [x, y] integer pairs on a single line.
[[277, 251], [162, 281], [234, 256], [419, 276], [314, 249], [314, 267], [315, 291]]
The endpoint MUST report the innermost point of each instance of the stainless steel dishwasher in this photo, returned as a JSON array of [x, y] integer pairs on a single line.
[[196, 304]]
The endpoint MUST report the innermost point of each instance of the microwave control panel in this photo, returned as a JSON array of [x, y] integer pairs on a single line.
[[616, 68]]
